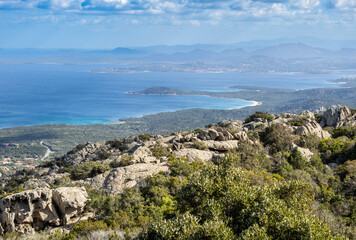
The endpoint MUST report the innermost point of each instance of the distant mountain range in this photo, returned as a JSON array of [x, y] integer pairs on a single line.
[[268, 51]]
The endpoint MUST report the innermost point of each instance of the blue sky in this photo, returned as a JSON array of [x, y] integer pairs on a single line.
[[103, 24]]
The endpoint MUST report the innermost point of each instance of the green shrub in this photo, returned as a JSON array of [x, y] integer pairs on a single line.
[[258, 114], [159, 151], [349, 132], [278, 138], [116, 144], [310, 141], [182, 227], [87, 169], [297, 122], [144, 137], [199, 145], [297, 160], [181, 167], [318, 117]]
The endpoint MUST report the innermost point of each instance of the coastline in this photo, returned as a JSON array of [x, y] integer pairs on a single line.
[[253, 104]]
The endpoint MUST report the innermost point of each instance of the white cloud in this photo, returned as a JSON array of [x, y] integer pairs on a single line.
[[65, 4], [344, 4], [306, 4]]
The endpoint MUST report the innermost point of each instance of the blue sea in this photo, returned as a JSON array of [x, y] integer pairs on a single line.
[[33, 94]]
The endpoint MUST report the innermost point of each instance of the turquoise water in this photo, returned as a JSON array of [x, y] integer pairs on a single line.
[[39, 94]]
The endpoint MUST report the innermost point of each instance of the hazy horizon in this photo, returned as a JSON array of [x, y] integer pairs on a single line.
[[107, 24]]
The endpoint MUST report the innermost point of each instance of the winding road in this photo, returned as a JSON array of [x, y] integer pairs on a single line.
[[48, 152]]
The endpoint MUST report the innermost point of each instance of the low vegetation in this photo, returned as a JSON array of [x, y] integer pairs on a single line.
[[264, 189]]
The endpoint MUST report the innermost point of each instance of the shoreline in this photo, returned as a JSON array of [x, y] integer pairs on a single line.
[[253, 104], [121, 121]]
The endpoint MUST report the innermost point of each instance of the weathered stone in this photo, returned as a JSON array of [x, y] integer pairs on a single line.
[[35, 183], [116, 180], [306, 153], [140, 153], [242, 136], [221, 145], [312, 127], [37, 209], [193, 154], [209, 134], [335, 118], [307, 114], [213, 134], [71, 202], [259, 122], [279, 121], [231, 124]]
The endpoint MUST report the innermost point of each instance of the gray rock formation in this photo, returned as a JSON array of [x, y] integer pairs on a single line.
[[221, 145], [37, 209], [116, 180], [193, 154], [71, 202], [306, 153], [208, 134], [307, 115], [312, 127], [258, 122], [81, 153], [231, 124], [336, 118], [34, 183]]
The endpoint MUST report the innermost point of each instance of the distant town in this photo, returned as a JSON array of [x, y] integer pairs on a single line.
[[17, 162]]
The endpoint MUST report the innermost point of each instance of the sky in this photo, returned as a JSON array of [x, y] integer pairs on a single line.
[[106, 24]]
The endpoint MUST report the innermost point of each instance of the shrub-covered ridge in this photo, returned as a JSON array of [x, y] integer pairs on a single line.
[[271, 177]]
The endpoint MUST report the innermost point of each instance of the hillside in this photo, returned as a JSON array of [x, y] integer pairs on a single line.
[[270, 176]]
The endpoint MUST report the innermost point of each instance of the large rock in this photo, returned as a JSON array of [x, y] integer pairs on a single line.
[[307, 115], [71, 202], [208, 134], [257, 123], [118, 179], [193, 154], [231, 124], [335, 118], [312, 127], [223, 135], [34, 183], [221, 145], [83, 153], [37, 209], [141, 153], [306, 153], [242, 136]]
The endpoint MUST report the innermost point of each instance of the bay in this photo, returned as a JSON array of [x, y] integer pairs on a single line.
[[32, 94]]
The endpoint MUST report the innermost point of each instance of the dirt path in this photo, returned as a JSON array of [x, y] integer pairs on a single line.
[[48, 152]]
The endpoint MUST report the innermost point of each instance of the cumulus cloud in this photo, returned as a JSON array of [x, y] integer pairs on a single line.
[[192, 11], [306, 4], [343, 4]]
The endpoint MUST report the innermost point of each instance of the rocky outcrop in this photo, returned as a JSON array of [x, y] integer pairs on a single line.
[[222, 145], [306, 153], [338, 118], [257, 123], [81, 153], [307, 115], [312, 127], [34, 183], [220, 134], [70, 202], [118, 179], [194, 154], [37, 209], [231, 124]]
